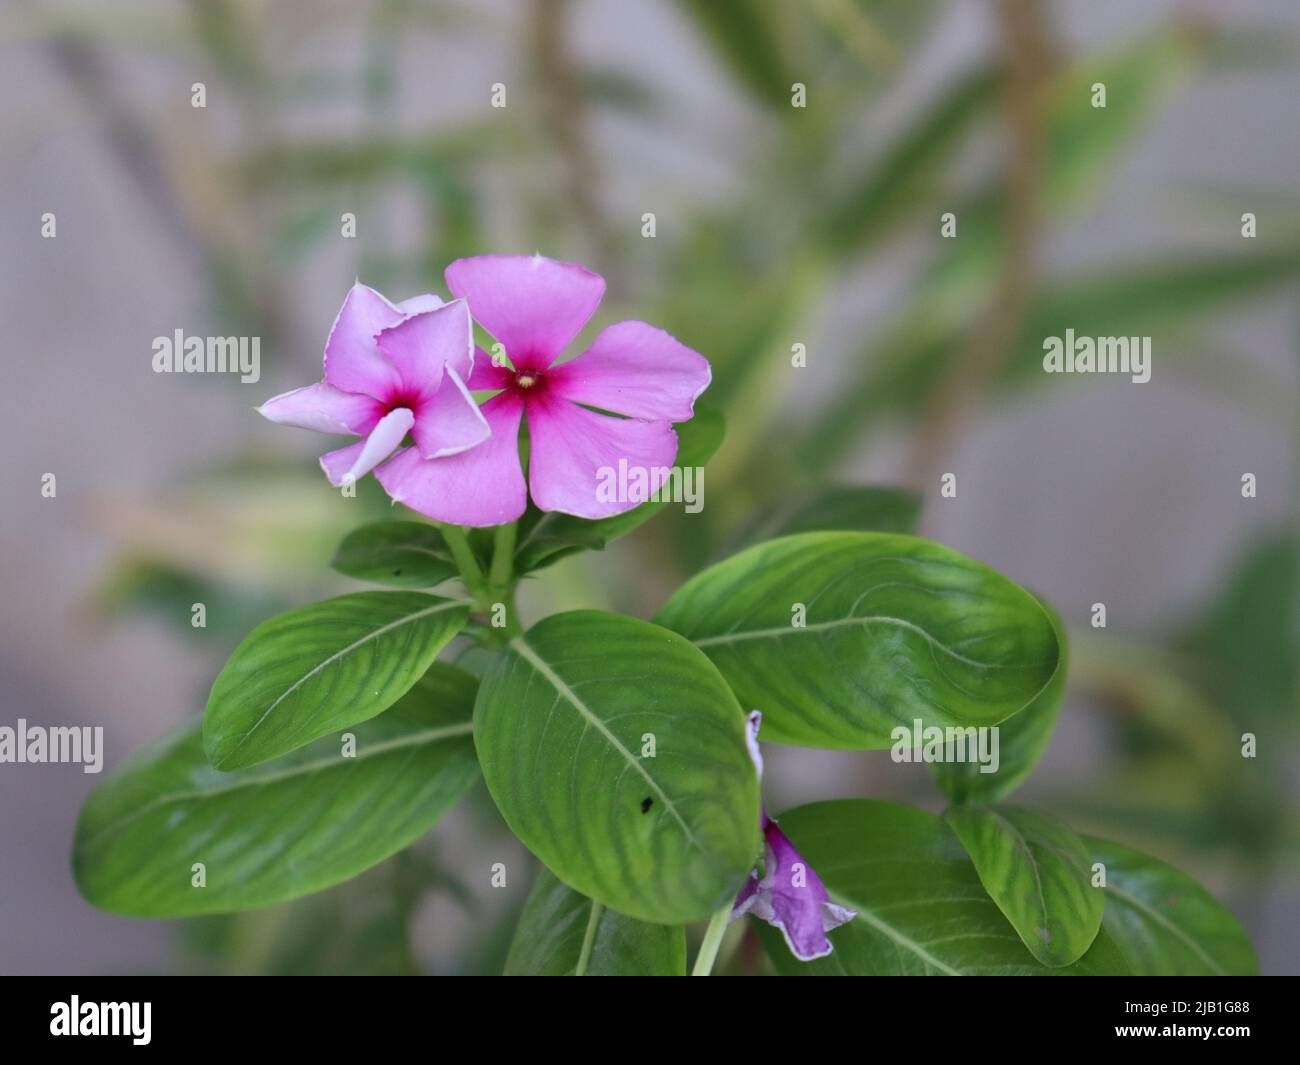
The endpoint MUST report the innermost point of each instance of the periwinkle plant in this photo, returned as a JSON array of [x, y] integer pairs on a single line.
[[622, 752]]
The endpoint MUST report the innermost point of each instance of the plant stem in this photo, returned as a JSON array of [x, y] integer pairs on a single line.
[[501, 582], [503, 558], [512, 627], [490, 589], [712, 941], [589, 938], [470, 571]]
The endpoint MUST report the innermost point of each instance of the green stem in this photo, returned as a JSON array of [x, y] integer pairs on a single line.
[[712, 941], [501, 579], [470, 571], [589, 938], [513, 627], [496, 586], [503, 557]]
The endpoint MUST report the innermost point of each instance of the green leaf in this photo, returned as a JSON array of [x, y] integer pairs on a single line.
[[284, 829], [545, 538], [1141, 77], [849, 508], [748, 37], [1134, 300], [165, 592], [320, 668], [562, 933], [896, 629], [405, 554], [564, 725], [1165, 923], [921, 908], [909, 174], [1119, 299], [1039, 874], [1022, 739], [916, 355], [1244, 642]]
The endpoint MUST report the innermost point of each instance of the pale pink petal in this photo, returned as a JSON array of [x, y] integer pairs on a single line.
[[575, 456], [422, 344], [488, 377], [449, 422], [635, 369], [464, 364], [533, 305], [337, 463], [352, 361], [481, 486], [324, 408], [365, 456], [416, 304]]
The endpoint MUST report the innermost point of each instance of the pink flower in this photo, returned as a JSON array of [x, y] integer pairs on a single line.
[[534, 307], [390, 370]]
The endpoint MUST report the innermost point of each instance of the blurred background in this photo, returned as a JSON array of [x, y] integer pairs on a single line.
[[775, 226]]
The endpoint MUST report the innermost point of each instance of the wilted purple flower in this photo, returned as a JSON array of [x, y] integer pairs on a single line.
[[789, 896]]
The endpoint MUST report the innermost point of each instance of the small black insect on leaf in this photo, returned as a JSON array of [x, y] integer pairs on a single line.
[[646, 803]]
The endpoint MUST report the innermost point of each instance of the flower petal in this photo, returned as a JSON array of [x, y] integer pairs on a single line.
[[449, 422], [575, 456], [532, 305], [635, 369], [352, 361], [745, 899], [420, 345], [481, 486], [337, 463], [417, 304], [487, 376], [752, 725], [324, 408], [370, 452], [792, 897]]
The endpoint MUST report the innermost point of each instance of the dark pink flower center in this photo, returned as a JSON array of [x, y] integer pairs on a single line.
[[402, 399], [527, 384]]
